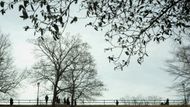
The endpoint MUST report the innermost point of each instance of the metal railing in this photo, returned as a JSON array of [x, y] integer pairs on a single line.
[[96, 102]]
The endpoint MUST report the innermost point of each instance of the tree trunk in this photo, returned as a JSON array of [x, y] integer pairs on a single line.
[[54, 96], [54, 93], [72, 101], [73, 96]]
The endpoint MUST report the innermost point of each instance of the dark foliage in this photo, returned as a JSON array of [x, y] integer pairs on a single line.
[[130, 24]]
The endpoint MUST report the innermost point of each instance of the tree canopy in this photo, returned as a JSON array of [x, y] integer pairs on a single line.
[[130, 24]]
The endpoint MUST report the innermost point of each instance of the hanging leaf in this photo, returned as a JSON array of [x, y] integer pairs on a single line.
[[162, 27], [95, 5], [56, 27], [74, 20], [76, 1], [41, 4], [130, 2], [56, 37], [96, 28], [100, 24], [142, 1], [42, 38], [11, 6], [60, 20], [146, 54], [21, 7], [2, 11], [62, 24], [48, 8], [158, 1], [25, 15], [110, 58], [126, 52], [2, 3], [120, 38], [123, 46], [32, 7], [140, 19], [144, 42], [41, 31], [26, 3], [26, 28], [90, 23]]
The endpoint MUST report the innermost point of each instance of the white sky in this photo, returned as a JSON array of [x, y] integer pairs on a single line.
[[147, 79]]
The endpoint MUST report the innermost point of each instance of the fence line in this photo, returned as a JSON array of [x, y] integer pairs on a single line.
[[95, 102]]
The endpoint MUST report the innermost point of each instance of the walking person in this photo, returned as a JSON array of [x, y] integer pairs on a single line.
[[117, 102], [46, 99], [11, 101]]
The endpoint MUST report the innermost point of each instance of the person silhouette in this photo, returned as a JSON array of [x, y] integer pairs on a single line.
[[117, 102], [11, 101], [58, 100], [65, 101], [75, 102], [68, 102], [167, 102], [46, 99]]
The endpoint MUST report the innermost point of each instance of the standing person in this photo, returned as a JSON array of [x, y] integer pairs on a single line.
[[68, 102], [65, 101], [117, 102], [167, 101], [46, 98], [75, 102], [57, 100], [11, 101]]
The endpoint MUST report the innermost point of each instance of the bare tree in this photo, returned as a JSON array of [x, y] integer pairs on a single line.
[[56, 58], [9, 78], [179, 67], [130, 24], [81, 80]]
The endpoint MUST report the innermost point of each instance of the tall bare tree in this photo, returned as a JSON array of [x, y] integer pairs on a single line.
[[9, 78], [130, 24], [56, 58], [179, 67], [81, 80]]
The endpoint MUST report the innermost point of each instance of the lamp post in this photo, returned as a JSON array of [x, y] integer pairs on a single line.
[[38, 85], [185, 100]]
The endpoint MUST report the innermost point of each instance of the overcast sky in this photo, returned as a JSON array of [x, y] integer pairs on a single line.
[[147, 79]]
